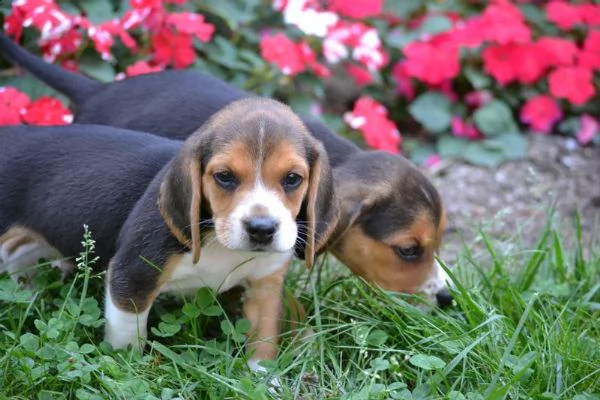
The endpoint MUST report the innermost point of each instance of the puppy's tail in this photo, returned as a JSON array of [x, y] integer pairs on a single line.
[[75, 86]]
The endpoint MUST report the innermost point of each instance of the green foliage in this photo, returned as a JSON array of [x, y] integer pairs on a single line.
[[524, 326]]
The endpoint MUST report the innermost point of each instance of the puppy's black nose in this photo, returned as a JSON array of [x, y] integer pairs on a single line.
[[444, 298], [261, 229]]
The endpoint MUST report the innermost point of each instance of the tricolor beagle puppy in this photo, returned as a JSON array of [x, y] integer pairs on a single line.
[[392, 218], [227, 207]]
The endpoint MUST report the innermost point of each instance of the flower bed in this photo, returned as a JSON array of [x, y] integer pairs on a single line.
[[434, 79]]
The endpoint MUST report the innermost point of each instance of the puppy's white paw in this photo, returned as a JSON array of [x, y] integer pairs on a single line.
[[274, 382]]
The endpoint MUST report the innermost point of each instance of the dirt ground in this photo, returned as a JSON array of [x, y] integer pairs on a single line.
[[513, 199]]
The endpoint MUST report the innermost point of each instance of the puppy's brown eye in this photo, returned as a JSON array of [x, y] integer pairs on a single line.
[[226, 180], [409, 253], [291, 181]]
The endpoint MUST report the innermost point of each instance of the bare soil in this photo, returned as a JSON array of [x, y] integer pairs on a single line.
[[514, 198]]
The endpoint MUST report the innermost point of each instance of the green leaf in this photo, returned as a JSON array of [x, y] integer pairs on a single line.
[[427, 362], [97, 11], [377, 337], [166, 330], [432, 110], [87, 348], [30, 342], [513, 145], [495, 118], [213, 311], [477, 153], [96, 68], [380, 364], [449, 146], [402, 8], [435, 24], [476, 78]]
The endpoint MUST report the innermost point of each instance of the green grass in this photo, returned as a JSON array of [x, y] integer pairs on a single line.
[[526, 325]]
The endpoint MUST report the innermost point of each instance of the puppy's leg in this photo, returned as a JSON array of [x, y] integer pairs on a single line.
[[20, 252], [130, 292], [263, 308]]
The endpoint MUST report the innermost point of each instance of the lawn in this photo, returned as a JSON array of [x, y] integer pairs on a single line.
[[526, 324]]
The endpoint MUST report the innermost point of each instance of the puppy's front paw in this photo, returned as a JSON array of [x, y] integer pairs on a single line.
[[274, 381]]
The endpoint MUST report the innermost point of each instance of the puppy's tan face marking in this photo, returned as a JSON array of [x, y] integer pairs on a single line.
[[245, 183], [401, 262]]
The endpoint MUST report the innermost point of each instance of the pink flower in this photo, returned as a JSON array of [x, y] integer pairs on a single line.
[[176, 48], [358, 40], [192, 24], [12, 105], [357, 9], [589, 57], [541, 113], [590, 14], [142, 67], [503, 23], [405, 85], [431, 64], [478, 98], [559, 51], [589, 127], [572, 83], [432, 160], [564, 15], [461, 128], [47, 111], [309, 59], [281, 51], [361, 76], [370, 117]]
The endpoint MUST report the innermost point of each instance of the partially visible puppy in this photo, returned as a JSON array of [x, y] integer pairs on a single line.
[[392, 216], [227, 207]]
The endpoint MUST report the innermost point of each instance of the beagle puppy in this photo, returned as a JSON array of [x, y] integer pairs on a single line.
[[392, 218], [227, 207]]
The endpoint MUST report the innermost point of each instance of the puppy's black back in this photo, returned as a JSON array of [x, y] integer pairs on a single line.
[[55, 179]]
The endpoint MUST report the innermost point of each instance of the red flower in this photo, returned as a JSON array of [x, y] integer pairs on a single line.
[[589, 127], [530, 62], [67, 44], [281, 51], [431, 64], [541, 113], [47, 111], [13, 25], [12, 105], [572, 83], [590, 14], [193, 24], [558, 51], [589, 57], [564, 15], [361, 76], [357, 9], [465, 129], [141, 67], [405, 85], [145, 3], [502, 23], [176, 48], [370, 117], [499, 63], [309, 58]]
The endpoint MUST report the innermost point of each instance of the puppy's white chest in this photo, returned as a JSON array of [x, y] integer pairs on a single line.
[[221, 269]]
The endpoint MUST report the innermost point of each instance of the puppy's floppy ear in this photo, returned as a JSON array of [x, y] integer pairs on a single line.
[[319, 212], [179, 199]]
